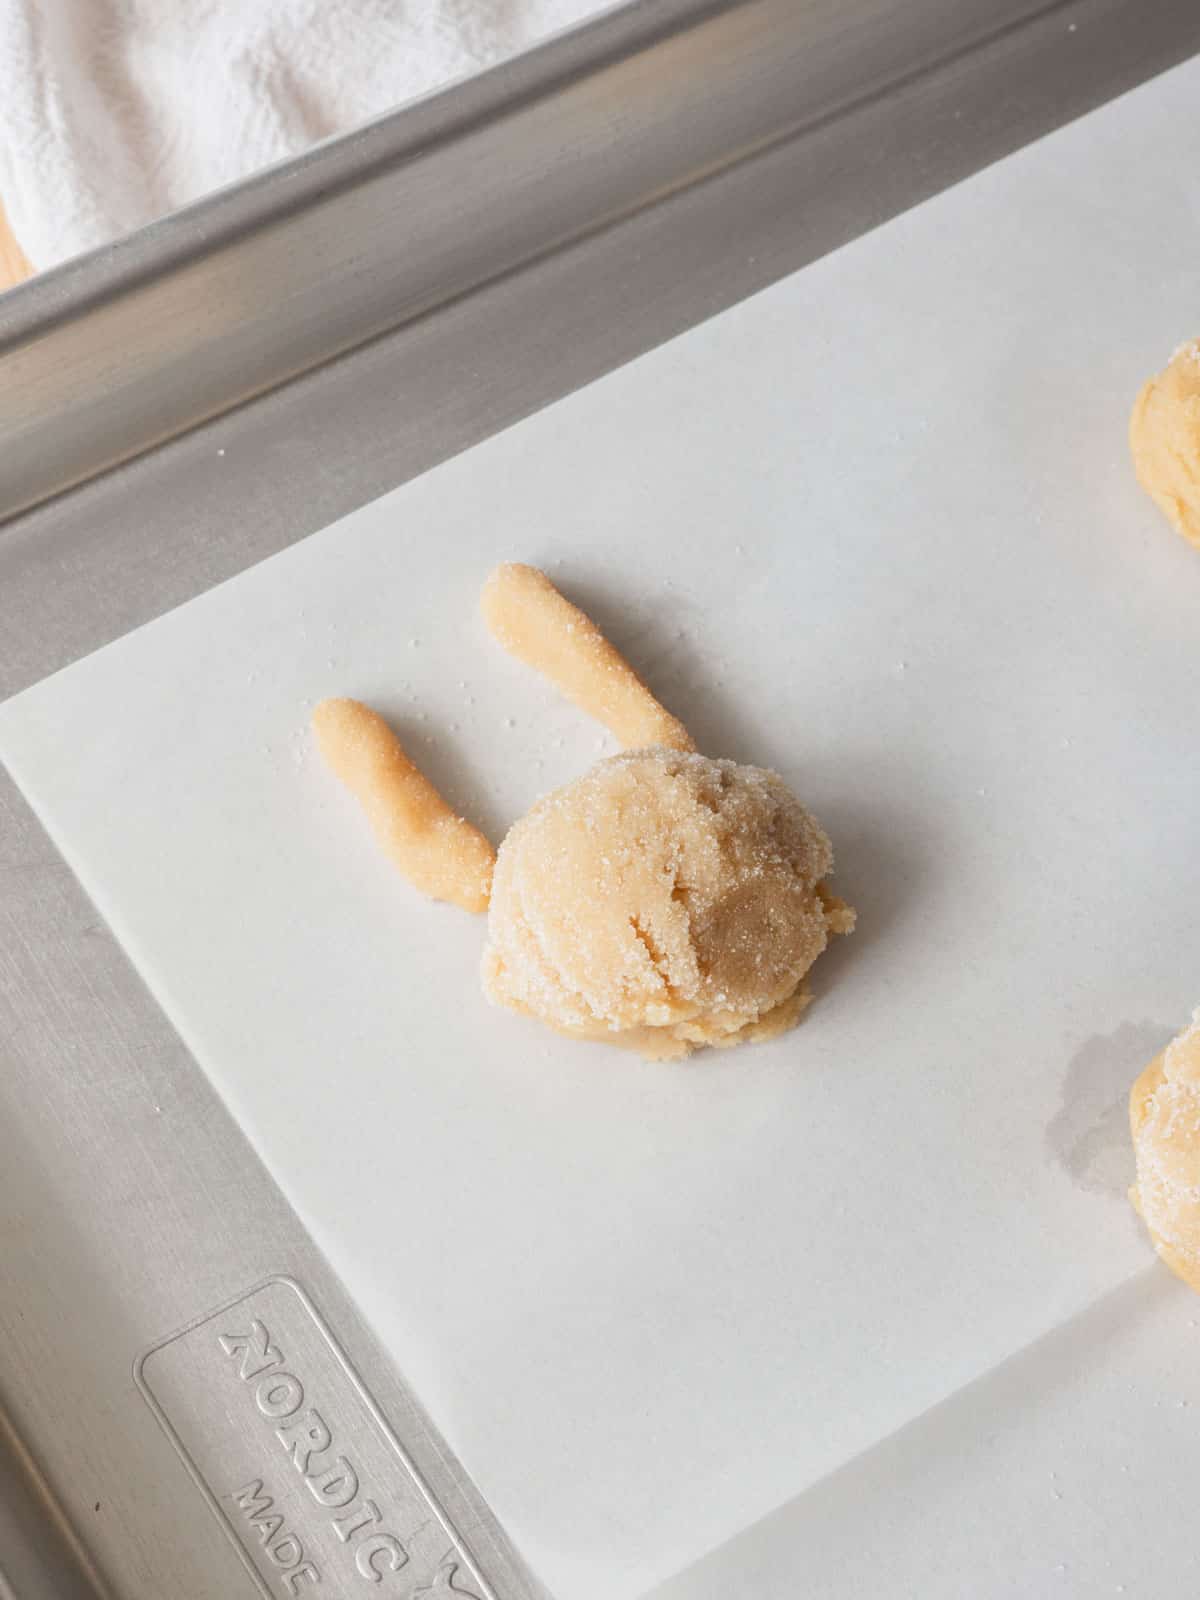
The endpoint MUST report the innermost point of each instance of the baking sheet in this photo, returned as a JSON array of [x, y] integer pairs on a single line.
[[875, 527]]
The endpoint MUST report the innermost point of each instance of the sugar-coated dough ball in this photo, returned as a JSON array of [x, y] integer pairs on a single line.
[[1164, 434], [662, 901], [1164, 1112]]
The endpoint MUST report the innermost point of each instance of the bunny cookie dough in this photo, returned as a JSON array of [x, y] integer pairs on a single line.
[[663, 901], [1164, 1116], [1164, 435]]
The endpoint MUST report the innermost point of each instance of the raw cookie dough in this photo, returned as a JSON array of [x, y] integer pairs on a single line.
[[541, 627], [438, 852], [1164, 435], [1164, 1115], [662, 901]]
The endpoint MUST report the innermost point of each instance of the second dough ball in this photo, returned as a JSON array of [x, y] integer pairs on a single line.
[[1164, 434], [662, 901], [1164, 1114]]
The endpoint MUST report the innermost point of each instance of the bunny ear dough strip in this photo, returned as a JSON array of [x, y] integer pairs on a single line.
[[439, 853], [538, 625]]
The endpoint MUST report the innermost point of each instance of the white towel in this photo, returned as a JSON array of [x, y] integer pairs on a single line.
[[114, 112]]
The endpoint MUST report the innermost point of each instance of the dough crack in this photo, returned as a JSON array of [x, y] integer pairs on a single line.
[[658, 956]]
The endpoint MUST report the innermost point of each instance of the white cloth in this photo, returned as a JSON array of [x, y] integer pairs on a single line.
[[114, 112]]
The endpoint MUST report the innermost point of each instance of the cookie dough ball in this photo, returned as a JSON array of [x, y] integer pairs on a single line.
[[1164, 1112], [662, 901], [1164, 434]]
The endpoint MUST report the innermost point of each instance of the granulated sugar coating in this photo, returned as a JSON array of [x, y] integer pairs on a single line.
[[1164, 1113], [662, 901]]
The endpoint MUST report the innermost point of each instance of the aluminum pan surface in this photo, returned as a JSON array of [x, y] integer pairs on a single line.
[[953, 713], [85, 1146]]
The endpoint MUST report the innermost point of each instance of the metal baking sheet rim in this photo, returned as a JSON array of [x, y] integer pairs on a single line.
[[374, 1551], [234, 289]]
